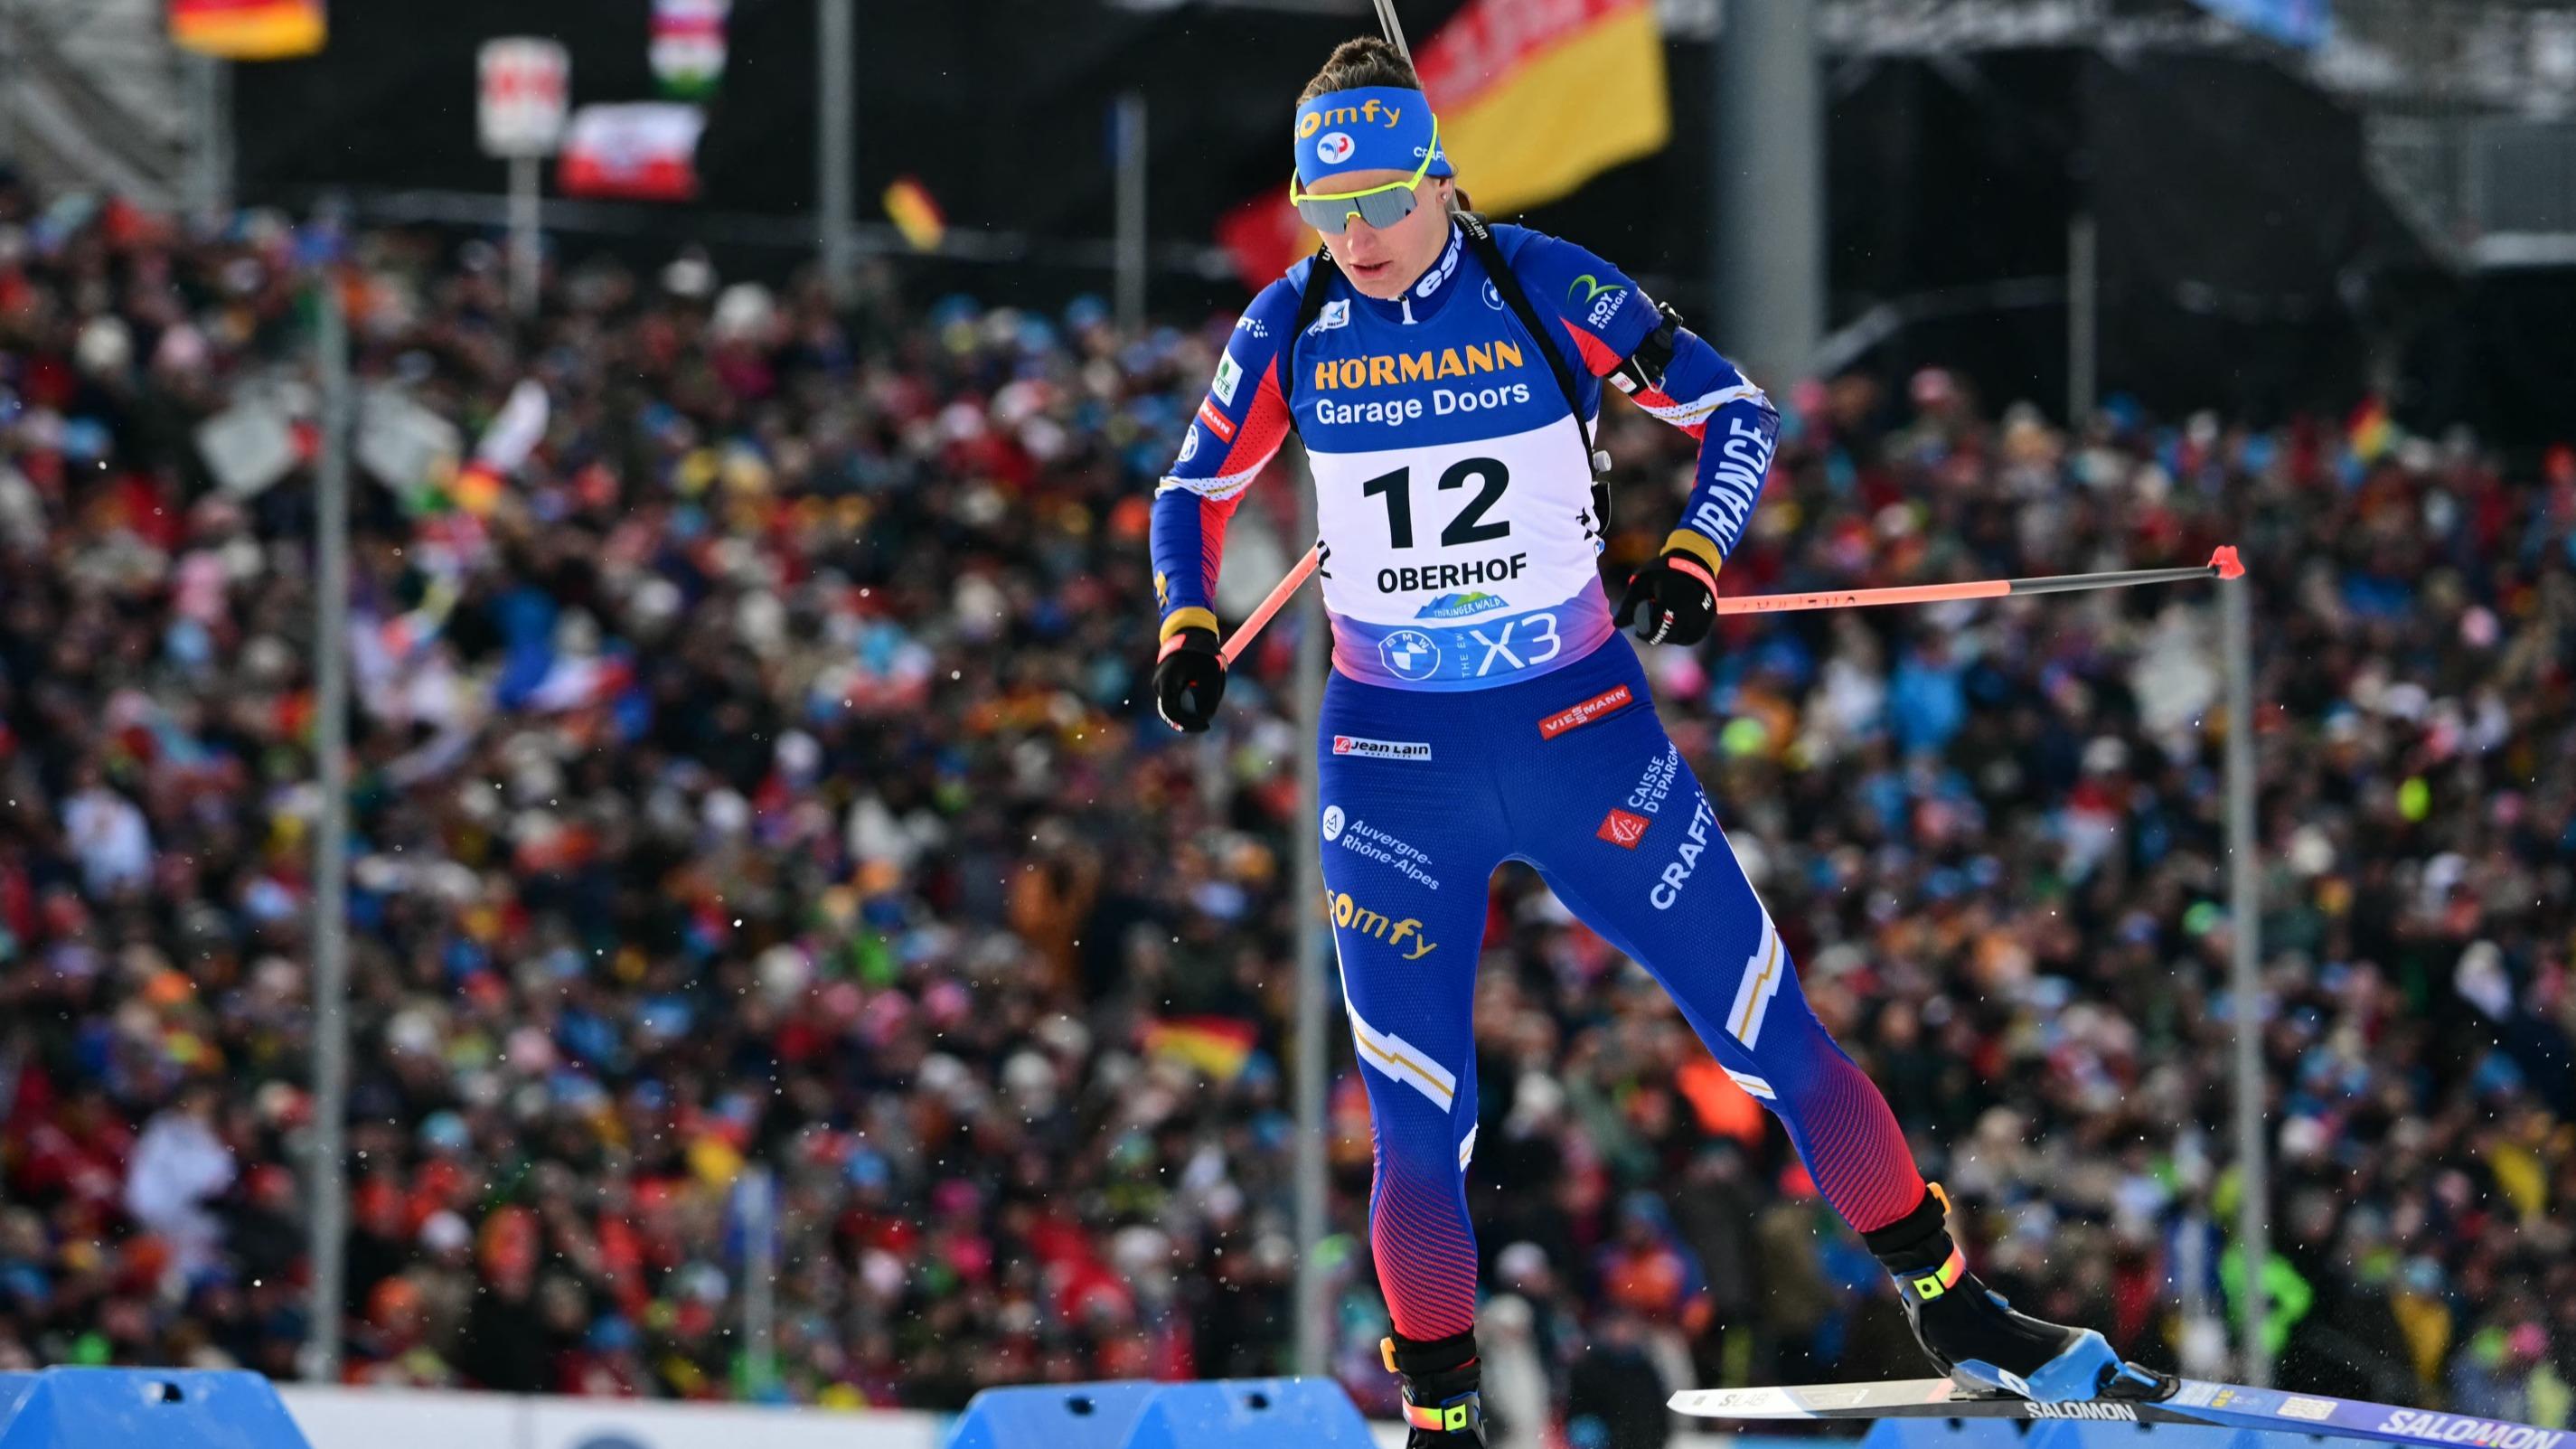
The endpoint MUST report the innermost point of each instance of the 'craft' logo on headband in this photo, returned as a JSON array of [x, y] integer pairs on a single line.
[[1335, 148]]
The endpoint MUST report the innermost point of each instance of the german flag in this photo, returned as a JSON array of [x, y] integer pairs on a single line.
[[1216, 1045], [247, 29], [916, 214], [1535, 97]]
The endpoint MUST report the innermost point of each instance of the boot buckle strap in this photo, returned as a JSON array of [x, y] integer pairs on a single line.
[[1924, 1287], [1457, 1416]]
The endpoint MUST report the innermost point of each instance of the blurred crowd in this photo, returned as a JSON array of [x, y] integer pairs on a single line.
[[769, 870]]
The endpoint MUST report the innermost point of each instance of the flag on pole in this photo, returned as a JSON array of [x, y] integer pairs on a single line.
[[916, 214], [247, 29], [1535, 97], [642, 150], [688, 50], [1217, 1045]]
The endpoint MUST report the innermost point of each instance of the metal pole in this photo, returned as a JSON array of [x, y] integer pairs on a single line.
[[2245, 910], [836, 141], [1314, 1316], [1721, 136], [211, 115], [760, 1275], [331, 844], [1768, 167], [2083, 316], [524, 237], [9, 80], [1131, 211]]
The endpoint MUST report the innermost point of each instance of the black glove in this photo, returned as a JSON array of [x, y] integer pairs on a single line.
[[1189, 679], [1673, 600]]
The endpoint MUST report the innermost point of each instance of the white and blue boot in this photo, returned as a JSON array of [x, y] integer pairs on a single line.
[[1976, 1338]]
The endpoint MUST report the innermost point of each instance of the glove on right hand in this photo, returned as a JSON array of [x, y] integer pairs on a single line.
[[1189, 680]]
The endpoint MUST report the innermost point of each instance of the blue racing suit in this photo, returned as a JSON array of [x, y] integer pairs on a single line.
[[1482, 708]]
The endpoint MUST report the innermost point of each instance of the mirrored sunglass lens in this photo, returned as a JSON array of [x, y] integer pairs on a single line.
[[1377, 208], [1328, 217], [1386, 208]]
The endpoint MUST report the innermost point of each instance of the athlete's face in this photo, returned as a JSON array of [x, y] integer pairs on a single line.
[[1383, 261]]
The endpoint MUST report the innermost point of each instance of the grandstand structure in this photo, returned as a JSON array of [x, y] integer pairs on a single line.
[[92, 93]]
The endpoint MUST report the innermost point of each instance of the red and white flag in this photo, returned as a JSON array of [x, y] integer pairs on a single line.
[[641, 150]]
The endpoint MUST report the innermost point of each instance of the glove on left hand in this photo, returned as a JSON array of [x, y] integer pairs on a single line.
[[1673, 600]]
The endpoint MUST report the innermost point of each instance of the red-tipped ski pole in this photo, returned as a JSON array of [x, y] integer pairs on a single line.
[[1279, 595], [2222, 565]]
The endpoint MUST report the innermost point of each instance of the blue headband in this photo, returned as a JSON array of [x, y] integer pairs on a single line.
[[1372, 128]]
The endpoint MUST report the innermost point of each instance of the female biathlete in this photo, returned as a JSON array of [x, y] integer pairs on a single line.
[[1483, 706]]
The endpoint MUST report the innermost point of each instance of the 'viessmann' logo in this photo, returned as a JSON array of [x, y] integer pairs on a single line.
[[1387, 369], [1575, 716]]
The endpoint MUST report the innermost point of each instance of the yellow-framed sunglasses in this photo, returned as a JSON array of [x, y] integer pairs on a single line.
[[1379, 206]]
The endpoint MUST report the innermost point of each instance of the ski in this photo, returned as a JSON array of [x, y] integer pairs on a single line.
[[2196, 1401]]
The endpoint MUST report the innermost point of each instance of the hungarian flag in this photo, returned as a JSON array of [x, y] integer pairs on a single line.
[[642, 150], [247, 29], [1535, 97], [688, 51]]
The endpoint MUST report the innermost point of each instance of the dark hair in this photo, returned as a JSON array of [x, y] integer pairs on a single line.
[[1367, 61]]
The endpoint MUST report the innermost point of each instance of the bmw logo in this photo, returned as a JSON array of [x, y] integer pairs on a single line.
[[1409, 654], [1335, 148]]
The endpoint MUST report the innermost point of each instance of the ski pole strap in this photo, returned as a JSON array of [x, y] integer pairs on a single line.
[[1924, 1287]]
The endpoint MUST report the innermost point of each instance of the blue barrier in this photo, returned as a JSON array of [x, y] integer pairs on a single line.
[[14, 1389], [84, 1408], [1237, 1413], [1943, 1434], [1252, 1414], [1050, 1416]]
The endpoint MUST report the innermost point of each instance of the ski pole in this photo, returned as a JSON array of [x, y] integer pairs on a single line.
[[1279, 595], [2222, 565]]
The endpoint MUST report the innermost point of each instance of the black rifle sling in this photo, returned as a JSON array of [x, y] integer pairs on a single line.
[[1480, 240]]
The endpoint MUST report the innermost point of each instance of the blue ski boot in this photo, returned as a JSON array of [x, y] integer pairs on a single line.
[[1442, 1406], [1976, 1338]]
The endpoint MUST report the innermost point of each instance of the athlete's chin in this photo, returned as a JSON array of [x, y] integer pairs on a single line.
[[1375, 279]]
